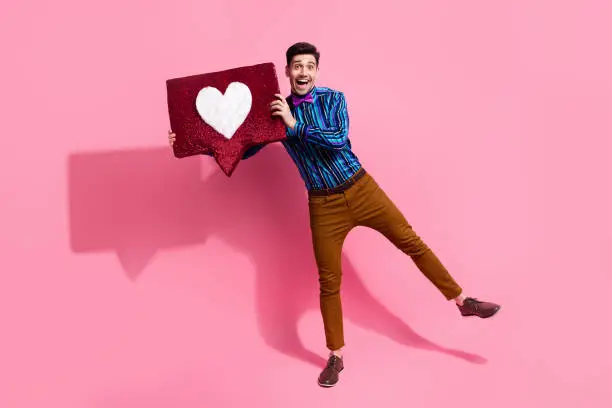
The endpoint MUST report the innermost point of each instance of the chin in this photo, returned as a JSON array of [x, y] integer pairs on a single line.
[[302, 91]]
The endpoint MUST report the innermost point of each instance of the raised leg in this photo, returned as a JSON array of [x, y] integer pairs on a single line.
[[374, 209]]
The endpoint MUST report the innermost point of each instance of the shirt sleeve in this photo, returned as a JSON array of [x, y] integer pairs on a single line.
[[251, 151], [335, 135]]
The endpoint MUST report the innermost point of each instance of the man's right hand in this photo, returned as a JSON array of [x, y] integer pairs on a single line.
[[171, 137]]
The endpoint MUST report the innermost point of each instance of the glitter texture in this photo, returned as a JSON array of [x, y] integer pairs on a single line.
[[194, 136]]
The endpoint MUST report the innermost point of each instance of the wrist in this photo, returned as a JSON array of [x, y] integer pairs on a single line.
[[292, 123]]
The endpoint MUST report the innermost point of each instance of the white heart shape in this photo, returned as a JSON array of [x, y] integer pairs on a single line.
[[225, 113]]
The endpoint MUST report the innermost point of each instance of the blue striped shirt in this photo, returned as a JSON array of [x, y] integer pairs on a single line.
[[319, 143]]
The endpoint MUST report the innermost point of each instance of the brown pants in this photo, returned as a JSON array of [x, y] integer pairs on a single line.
[[363, 204]]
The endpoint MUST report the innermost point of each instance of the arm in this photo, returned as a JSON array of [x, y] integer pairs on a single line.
[[333, 137]]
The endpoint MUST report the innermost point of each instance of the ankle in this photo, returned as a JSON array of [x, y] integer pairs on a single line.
[[337, 353], [459, 300]]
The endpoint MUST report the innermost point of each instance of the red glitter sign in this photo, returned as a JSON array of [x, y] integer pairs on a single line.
[[224, 113]]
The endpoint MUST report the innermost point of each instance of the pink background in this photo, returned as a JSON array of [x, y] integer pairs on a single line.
[[487, 122]]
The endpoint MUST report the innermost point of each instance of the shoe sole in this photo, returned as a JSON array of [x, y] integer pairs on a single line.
[[326, 385]]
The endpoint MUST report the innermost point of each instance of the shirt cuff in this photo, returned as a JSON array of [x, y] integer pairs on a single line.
[[299, 130]]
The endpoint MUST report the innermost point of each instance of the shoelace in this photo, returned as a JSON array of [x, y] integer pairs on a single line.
[[475, 303], [332, 360]]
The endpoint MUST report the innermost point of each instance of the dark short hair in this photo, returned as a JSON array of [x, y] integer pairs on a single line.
[[301, 48]]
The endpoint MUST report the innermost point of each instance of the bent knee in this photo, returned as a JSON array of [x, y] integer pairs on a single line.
[[411, 244]]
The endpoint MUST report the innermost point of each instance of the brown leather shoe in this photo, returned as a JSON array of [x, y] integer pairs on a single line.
[[330, 374], [474, 307]]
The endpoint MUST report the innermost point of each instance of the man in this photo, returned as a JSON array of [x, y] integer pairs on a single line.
[[342, 195]]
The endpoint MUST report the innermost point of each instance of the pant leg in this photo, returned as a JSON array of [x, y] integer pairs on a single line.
[[330, 222], [374, 209]]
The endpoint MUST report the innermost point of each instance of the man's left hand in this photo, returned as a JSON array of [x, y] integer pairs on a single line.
[[280, 108]]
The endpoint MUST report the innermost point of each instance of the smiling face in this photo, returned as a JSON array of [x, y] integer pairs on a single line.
[[302, 73]]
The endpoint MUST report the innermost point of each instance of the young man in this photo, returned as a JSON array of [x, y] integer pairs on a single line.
[[342, 195]]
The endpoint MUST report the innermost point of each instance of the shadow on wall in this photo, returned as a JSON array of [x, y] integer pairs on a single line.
[[136, 202]]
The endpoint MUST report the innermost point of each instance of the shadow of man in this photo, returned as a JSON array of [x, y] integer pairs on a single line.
[[262, 212]]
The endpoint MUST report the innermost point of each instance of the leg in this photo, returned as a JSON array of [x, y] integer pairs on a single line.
[[374, 209], [330, 223]]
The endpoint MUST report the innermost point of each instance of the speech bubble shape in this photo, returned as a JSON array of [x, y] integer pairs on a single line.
[[224, 113], [134, 202]]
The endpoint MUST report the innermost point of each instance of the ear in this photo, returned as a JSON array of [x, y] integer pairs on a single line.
[[287, 71]]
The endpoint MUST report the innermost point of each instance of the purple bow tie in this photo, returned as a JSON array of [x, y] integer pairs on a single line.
[[299, 99]]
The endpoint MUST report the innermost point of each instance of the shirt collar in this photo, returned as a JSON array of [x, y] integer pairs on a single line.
[[312, 92]]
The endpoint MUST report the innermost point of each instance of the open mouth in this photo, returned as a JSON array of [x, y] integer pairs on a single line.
[[302, 82]]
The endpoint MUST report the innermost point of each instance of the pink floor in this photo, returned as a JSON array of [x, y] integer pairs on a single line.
[[130, 279]]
